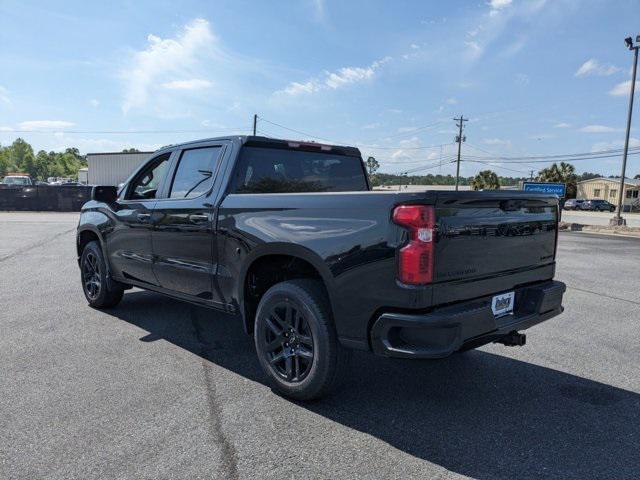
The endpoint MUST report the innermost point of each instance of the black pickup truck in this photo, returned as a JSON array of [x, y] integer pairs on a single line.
[[288, 237]]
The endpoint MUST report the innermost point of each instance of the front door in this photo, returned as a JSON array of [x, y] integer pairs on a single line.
[[129, 245], [184, 225]]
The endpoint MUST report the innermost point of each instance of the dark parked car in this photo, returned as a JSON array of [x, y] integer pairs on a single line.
[[573, 204], [288, 236], [598, 206]]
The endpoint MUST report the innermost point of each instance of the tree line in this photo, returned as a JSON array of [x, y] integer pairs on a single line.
[[486, 179], [19, 157]]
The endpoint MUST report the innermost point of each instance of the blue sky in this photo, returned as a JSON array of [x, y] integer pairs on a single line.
[[533, 77]]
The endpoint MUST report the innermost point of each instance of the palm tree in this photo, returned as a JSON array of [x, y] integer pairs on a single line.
[[485, 180], [565, 173]]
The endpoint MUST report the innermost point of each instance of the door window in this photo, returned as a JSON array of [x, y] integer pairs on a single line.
[[145, 186], [195, 173]]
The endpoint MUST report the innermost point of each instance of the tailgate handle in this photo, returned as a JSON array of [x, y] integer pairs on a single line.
[[511, 205]]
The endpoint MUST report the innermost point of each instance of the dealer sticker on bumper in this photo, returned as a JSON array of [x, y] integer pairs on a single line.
[[502, 304]]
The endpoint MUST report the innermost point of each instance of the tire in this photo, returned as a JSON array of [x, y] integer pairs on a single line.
[[99, 290], [296, 341]]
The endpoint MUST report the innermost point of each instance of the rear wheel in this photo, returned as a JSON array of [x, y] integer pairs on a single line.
[[296, 341], [99, 290]]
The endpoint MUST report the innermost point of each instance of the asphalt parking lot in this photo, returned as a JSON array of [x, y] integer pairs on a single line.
[[157, 389]]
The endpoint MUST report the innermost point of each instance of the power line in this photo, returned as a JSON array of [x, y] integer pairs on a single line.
[[428, 167], [333, 142], [416, 129], [581, 159], [125, 132], [496, 166], [556, 157]]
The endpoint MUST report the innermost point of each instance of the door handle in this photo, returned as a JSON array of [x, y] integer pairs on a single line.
[[143, 217], [197, 218]]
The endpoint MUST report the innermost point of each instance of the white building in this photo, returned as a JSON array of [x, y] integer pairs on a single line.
[[113, 168]]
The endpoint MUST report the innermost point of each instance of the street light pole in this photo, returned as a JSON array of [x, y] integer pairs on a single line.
[[618, 220]]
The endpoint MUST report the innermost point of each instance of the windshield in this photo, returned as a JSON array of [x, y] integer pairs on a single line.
[[274, 170], [16, 181]]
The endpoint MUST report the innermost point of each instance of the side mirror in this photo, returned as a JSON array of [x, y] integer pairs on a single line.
[[105, 194]]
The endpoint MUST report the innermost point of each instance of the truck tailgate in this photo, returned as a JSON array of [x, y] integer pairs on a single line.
[[491, 241]]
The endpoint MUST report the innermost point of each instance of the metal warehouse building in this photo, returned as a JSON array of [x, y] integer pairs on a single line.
[[113, 168]]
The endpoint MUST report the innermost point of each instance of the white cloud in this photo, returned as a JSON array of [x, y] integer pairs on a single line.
[[593, 67], [4, 95], [295, 88], [562, 125], [165, 57], [497, 5], [45, 125], [347, 75], [334, 80], [452, 101], [597, 147], [475, 49], [94, 103], [319, 10], [522, 79], [598, 129], [371, 126], [623, 89], [192, 84], [496, 141], [415, 47]]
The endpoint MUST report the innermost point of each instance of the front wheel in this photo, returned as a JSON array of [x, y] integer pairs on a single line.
[[296, 341], [99, 291]]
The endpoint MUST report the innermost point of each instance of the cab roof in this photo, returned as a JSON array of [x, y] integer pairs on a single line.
[[267, 142]]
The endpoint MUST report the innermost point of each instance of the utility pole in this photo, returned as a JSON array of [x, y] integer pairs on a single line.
[[255, 123], [618, 220], [459, 138], [531, 175]]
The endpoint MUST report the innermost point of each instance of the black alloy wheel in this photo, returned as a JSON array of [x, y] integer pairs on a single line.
[[91, 277], [288, 342], [296, 340], [99, 290]]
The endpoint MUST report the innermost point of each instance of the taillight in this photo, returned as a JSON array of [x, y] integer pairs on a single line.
[[415, 260]]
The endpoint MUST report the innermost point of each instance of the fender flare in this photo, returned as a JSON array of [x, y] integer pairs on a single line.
[[88, 228], [289, 250]]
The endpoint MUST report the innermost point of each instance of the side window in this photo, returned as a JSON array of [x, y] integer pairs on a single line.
[[194, 175], [145, 185]]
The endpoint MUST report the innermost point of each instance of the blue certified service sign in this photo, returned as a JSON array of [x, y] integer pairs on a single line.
[[558, 189]]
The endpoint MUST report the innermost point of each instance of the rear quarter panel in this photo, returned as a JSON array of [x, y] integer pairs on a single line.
[[348, 237]]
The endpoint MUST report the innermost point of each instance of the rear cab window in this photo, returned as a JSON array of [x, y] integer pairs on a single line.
[[278, 170]]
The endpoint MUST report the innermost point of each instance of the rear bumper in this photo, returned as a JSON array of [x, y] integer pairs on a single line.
[[443, 331]]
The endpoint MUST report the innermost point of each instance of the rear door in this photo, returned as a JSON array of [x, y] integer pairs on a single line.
[[129, 245], [183, 235]]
